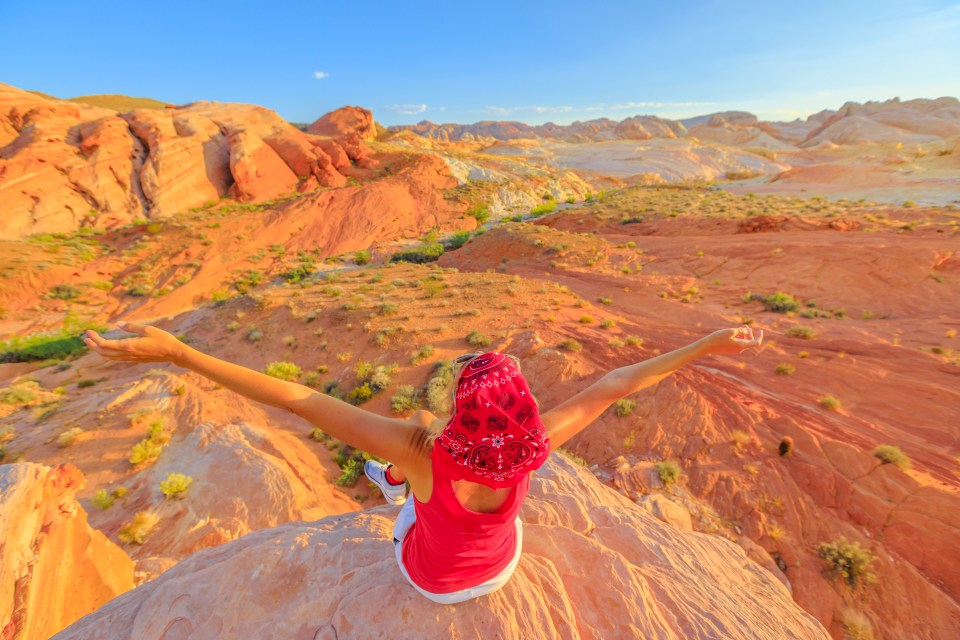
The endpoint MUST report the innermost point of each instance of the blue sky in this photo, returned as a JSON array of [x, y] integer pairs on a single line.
[[462, 62]]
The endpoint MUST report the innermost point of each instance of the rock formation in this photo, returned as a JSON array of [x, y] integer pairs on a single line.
[[346, 121], [64, 164], [54, 567], [594, 565]]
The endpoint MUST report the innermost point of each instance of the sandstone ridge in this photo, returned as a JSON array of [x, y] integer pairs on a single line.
[[47, 544], [594, 566]]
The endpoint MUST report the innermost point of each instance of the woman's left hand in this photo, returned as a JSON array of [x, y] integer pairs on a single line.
[[733, 341]]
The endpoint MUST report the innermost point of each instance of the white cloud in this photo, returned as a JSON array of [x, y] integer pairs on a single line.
[[320, 75], [406, 109]]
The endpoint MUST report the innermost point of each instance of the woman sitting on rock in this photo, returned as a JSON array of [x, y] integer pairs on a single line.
[[460, 537]]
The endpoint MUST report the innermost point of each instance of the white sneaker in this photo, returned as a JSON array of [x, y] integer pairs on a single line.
[[395, 494]]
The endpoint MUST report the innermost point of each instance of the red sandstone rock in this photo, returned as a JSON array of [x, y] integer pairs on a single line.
[[54, 567], [594, 565], [346, 121]]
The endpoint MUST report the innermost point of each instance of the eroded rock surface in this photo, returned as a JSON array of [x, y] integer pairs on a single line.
[[594, 566]]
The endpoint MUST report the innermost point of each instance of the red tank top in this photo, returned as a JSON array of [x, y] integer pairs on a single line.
[[449, 547]]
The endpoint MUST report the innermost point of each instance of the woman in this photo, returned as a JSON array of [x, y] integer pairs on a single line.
[[460, 537]]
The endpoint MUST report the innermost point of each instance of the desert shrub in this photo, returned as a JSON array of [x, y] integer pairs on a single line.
[[64, 292], [389, 309], [254, 335], [570, 345], [45, 346], [19, 393], [668, 470], [457, 240], [438, 387], [856, 626], [422, 353], [848, 560], [312, 379], [890, 454], [102, 499], [480, 212], [634, 341], [829, 403], [586, 320], [332, 389], [247, 280], [136, 531], [350, 473], [361, 257], [785, 369], [86, 383], [419, 255], [780, 302], [801, 331], [407, 398], [380, 379], [319, 435], [362, 370], [120, 492], [68, 437], [625, 407], [145, 451], [605, 300], [477, 339], [360, 394], [283, 371], [543, 209], [175, 485]]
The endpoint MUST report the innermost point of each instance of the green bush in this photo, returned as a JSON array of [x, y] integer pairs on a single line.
[[890, 454], [457, 240], [477, 339], [45, 346], [254, 335], [136, 531], [361, 257], [175, 485], [848, 560], [573, 457], [407, 398], [350, 473], [419, 255], [785, 369], [625, 407], [479, 212], [145, 451], [283, 371], [780, 302], [668, 470], [248, 280], [543, 209], [102, 499], [359, 395], [570, 345]]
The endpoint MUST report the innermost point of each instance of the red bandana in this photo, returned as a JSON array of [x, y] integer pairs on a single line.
[[496, 436]]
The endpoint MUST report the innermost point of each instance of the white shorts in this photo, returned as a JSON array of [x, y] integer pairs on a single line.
[[405, 520]]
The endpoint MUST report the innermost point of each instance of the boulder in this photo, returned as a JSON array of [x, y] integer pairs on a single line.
[[594, 565]]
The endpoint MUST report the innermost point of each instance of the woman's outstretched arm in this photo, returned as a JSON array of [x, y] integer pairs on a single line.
[[384, 437], [568, 419]]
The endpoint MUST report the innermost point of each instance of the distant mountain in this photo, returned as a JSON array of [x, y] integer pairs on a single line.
[[910, 122]]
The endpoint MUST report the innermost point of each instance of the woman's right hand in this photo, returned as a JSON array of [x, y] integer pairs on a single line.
[[150, 344], [732, 341]]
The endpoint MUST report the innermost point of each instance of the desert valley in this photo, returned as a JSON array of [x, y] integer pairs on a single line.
[[808, 489]]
